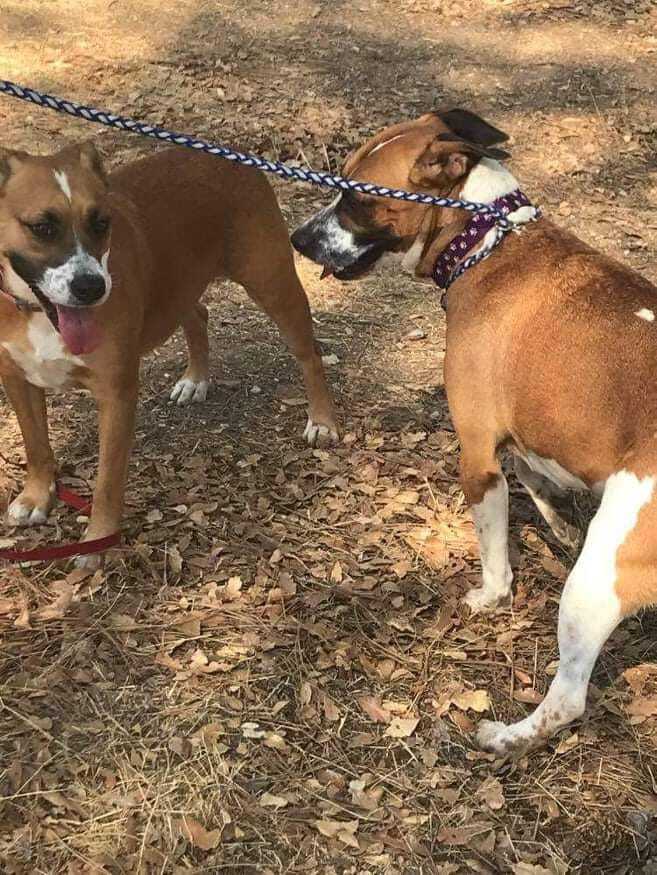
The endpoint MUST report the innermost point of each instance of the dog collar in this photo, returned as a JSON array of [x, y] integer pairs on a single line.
[[449, 264], [20, 304]]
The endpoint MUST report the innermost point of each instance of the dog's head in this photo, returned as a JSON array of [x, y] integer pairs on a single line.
[[54, 236], [433, 154]]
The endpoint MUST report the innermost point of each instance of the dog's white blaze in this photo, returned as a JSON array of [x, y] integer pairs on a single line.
[[56, 281], [63, 183], [491, 519], [385, 143], [553, 471], [589, 612], [47, 363], [646, 314]]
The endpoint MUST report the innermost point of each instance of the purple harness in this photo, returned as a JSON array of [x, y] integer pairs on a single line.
[[453, 260]]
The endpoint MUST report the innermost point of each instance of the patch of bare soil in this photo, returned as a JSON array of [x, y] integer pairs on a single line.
[[276, 674]]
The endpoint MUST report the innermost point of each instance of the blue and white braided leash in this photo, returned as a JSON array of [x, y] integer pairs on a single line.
[[326, 180]]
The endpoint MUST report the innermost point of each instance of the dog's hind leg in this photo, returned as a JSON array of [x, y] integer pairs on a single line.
[[615, 574], [31, 507], [487, 492], [282, 297], [543, 493], [193, 385]]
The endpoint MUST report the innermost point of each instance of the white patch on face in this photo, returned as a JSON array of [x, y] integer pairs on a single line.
[[590, 610], [385, 143], [553, 471], [48, 363], [491, 519], [646, 314], [338, 239], [63, 183], [56, 281]]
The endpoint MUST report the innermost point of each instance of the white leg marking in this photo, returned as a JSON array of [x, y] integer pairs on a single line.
[[589, 612], [63, 183], [20, 514], [491, 519], [319, 435], [646, 314], [188, 391]]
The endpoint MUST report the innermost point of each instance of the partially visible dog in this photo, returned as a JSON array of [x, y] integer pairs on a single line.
[[75, 312], [551, 353]]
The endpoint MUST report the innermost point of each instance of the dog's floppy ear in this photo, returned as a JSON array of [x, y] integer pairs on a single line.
[[471, 127], [10, 160], [447, 159]]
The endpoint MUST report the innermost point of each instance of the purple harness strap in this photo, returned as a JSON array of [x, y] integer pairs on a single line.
[[449, 265]]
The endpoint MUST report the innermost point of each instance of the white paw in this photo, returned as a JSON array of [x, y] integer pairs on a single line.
[[482, 602], [188, 391], [25, 514], [495, 737], [319, 435]]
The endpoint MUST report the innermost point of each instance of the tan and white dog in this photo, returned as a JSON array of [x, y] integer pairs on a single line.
[[551, 354], [96, 271]]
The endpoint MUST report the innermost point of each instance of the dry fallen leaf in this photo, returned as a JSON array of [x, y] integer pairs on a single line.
[[472, 700], [197, 835], [402, 727], [268, 800], [492, 793], [374, 710], [344, 831]]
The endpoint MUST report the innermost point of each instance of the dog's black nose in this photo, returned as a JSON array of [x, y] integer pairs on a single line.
[[87, 288]]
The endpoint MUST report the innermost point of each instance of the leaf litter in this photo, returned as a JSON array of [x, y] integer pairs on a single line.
[[278, 674]]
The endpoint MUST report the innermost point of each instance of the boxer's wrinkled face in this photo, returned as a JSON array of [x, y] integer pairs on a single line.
[[432, 154]]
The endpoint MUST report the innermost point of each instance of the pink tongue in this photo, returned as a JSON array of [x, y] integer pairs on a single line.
[[78, 327]]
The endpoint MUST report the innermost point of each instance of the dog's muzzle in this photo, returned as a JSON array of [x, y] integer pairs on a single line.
[[338, 250]]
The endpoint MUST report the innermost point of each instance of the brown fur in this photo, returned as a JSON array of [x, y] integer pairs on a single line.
[[179, 221]]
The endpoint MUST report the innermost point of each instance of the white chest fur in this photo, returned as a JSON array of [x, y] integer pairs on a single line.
[[42, 356]]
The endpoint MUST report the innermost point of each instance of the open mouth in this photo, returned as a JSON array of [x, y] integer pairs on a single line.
[[358, 268], [76, 325]]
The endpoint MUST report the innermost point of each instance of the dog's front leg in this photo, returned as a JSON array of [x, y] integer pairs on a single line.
[[31, 507], [116, 425]]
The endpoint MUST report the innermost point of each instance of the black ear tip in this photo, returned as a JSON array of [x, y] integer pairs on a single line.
[[470, 126]]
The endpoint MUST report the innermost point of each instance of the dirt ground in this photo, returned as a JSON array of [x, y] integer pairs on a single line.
[[276, 673]]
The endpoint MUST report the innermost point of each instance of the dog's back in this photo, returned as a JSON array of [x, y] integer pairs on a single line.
[[561, 359], [205, 217]]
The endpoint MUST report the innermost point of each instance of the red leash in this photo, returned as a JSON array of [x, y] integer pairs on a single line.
[[64, 551]]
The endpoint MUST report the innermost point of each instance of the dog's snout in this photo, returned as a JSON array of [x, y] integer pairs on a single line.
[[88, 288]]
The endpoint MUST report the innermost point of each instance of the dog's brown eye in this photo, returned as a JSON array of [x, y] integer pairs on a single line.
[[99, 224], [43, 230]]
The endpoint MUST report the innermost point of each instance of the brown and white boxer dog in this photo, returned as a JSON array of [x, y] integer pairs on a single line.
[[551, 354], [96, 271]]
